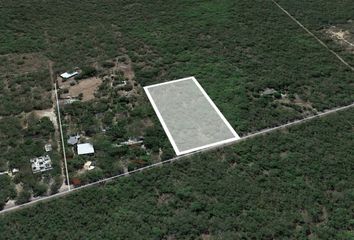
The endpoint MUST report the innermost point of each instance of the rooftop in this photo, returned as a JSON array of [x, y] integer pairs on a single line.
[[68, 75], [85, 148], [41, 164], [73, 140]]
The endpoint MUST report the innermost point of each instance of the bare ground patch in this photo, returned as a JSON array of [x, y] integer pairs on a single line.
[[50, 113], [342, 35], [87, 87]]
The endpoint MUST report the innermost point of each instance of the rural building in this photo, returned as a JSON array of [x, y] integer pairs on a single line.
[[41, 164], [68, 75], [269, 91], [85, 148], [48, 147], [73, 140]]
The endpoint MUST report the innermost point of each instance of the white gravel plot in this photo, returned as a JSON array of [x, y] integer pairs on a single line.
[[189, 117]]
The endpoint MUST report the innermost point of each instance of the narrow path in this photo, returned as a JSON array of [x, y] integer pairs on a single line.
[[252, 135], [59, 121], [313, 35]]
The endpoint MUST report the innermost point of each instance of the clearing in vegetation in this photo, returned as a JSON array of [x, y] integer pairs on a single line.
[[189, 117], [85, 88]]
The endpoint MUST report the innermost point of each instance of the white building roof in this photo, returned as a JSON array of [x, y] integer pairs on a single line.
[[67, 75], [41, 164], [85, 148]]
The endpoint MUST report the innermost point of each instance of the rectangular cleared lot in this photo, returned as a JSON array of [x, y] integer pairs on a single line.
[[189, 117]]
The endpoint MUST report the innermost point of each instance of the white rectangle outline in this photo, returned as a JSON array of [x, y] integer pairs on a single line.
[[235, 138]]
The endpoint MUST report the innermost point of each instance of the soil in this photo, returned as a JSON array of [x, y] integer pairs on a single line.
[[87, 87], [64, 187], [342, 36], [50, 113], [10, 204]]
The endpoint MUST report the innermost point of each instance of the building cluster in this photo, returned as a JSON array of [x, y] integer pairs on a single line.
[[82, 148], [41, 164]]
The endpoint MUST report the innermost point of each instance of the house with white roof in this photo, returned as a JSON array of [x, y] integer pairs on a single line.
[[85, 149], [68, 75]]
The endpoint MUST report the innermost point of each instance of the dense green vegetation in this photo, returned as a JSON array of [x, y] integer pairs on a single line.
[[292, 184], [236, 49], [7, 190], [321, 14], [239, 51], [25, 86], [116, 114], [24, 93], [20, 140]]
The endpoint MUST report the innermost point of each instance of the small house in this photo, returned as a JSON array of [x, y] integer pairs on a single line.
[[85, 149], [73, 140], [68, 75]]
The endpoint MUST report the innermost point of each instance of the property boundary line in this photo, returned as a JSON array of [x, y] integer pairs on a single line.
[[251, 135], [314, 36], [212, 104], [62, 137]]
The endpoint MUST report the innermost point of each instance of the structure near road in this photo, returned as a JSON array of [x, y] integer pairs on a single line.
[[41, 164]]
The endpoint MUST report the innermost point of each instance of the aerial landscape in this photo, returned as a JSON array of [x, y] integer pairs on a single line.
[[204, 119]]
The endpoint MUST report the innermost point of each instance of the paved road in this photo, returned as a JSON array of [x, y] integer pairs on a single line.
[[265, 131]]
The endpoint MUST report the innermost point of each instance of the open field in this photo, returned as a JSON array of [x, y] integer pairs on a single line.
[[86, 88], [291, 184]]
